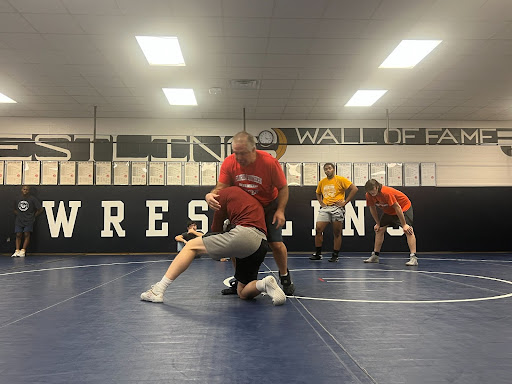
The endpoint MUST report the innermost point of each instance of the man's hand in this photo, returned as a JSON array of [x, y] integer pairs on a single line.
[[376, 227], [407, 229], [211, 200], [279, 219], [340, 203]]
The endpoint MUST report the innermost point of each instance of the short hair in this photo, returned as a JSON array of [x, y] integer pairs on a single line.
[[371, 184], [326, 164], [190, 222], [251, 141]]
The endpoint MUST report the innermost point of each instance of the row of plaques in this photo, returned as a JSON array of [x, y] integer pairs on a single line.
[[200, 173]]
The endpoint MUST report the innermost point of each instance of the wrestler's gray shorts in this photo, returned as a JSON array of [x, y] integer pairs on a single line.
[[331, 213], [239, 242]]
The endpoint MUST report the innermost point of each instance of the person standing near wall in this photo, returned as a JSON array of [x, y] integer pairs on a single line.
[[26, 209], [260, 175], [397, 210], [330, 193]]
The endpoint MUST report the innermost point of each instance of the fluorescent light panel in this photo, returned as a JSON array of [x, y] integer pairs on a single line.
[[177, 96], [5, 99], [409, 53], [365, 98], [161, 50]]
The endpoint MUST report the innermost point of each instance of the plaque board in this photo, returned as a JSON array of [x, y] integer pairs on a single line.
[[310, 174], [395, 174], [428, 174], [13, 172], [67, 173], [345, 170], [2, 165], [360, 173], [156, 173], [121, 172], [294, 174], [50, 172], [411, 174], [103, 173], [378, 172], [191, 173], [85, 172], [208, 173], [139, 173], [31, 172], [174, 173]]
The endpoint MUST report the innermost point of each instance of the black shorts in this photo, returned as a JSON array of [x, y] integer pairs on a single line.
[[393, 220], [274, 234], [247, 268]]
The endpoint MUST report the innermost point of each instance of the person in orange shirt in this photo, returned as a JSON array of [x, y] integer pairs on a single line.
[[397, 210]]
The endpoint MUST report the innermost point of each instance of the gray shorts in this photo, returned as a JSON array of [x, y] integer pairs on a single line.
[[330, 214], [239, 242]]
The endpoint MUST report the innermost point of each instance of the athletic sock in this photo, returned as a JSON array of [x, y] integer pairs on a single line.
[[412, 254], [318, 251], [376, 253], [335, 252], [163, 284], [260, 285]]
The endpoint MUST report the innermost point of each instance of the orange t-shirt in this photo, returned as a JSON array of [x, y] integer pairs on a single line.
[[386, 198]]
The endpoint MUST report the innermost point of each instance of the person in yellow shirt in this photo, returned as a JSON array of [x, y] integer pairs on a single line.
[[330, 193]]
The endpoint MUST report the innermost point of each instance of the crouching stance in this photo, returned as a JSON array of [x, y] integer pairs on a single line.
[[247, 242]]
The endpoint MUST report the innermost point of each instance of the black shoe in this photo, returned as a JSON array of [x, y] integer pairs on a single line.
[[315, 257], [286, 282], [232, 290], [333, 259]]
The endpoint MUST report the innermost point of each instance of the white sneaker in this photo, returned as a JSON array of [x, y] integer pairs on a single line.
[[21, 253], [372, 259], [412, 262], [16, 253], [153, 295], [274, 291]]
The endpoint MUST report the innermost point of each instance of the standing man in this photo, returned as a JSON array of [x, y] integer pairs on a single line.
[[26, 209], [330, 193], [259, 174], [397, 210], [246, 241]]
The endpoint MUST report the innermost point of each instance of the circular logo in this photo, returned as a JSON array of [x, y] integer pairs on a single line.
[[23, 205]]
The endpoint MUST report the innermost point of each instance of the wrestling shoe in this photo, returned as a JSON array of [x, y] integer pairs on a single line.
[[315, 257], [412, 262], [232, 290], [154, 295], [372, 259], [21, 253], [272, 289], [286, 282], [333, 259], [16, 253]]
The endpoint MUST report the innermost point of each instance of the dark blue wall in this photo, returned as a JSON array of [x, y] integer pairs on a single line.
[[446, 219]]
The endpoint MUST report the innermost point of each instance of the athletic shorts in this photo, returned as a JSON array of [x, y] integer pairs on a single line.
[[23, 228], [393, 220], [330, 214], [240, 242], [246, 269], [274, 234]]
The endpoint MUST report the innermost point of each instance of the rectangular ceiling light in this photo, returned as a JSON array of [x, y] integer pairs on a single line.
[[409, 53], [365, 98], [177, 96], [5, 99], [161, 50]]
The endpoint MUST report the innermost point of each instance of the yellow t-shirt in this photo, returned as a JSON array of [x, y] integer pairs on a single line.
[[334, 189]]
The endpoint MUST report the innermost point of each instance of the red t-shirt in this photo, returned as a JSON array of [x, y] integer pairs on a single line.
[[386, 198], [262, 179], [240, 208]]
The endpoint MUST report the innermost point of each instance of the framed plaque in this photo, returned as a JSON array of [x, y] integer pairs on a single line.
[[411, 174], [428, 174], [85, 172], [174, 173], [310, 174], [67, 173], [139, 173], [31, 172], [395, 174], [294, 174], [50, 172], [360, 173], [103, 173], [13, 172], [345, 170], [121, 172], [156, 173], [378, 172], [208, 173], [191, 173], [2, 164]]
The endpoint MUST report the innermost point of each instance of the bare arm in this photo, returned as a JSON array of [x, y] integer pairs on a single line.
[[180, 239], [320, 199], [282, 200], [211, 197], [353, 190], [406, 227]]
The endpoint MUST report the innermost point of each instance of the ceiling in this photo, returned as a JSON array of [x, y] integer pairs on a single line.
[[60, 58]]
